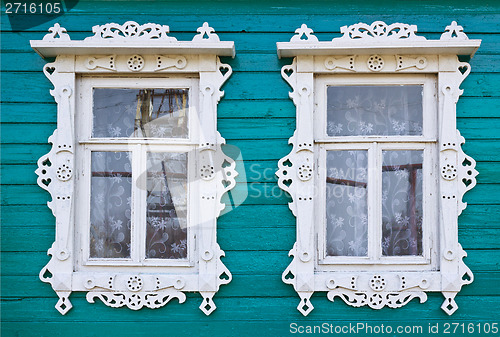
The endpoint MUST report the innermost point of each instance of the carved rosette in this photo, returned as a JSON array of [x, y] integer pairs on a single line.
[[216, 174], [457, 173]]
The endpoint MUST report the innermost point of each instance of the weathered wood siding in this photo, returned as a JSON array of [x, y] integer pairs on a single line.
[[257, 117]]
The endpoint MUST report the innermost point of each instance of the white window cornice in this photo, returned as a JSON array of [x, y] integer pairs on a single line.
[[131, 51], [363, 39], [370, 55], [131, 38]]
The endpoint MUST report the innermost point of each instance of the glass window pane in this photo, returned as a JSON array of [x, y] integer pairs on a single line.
[[110, 205], [402, 202], [374, 110], [346, 203], [166, 205], [153, 113]]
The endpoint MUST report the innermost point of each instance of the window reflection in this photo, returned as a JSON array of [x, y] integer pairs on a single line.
[[151, 113]]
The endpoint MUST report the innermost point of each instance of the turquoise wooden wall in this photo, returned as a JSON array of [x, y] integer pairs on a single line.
[[257, 117]]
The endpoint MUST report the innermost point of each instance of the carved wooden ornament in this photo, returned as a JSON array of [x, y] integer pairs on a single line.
[[129, 50], [363, 51]]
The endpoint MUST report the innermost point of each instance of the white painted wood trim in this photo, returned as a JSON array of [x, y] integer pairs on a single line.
[[103, 60], [345, 60]]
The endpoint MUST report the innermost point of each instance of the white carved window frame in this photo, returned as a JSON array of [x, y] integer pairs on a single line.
[[406, 58], [375, 144], [106, 60]]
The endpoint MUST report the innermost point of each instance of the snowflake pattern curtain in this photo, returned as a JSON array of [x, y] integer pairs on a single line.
[[374, 111]]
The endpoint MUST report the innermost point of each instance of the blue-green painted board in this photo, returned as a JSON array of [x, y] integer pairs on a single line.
[[271, 262], [254, 171], [255, 128], [256, 118], [253, 85], [255, 194], [254, 149]]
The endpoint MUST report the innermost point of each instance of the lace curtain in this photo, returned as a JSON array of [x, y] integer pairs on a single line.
[[157, 113], [110, 204], [346, 203], [382, 111], [374, 110]]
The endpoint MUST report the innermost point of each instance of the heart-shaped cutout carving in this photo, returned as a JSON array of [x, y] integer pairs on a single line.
[[223, 70], [50, 70], [288, 72], [287, 182], [463, 69], [467, 182], [287, 163], [289, 276]]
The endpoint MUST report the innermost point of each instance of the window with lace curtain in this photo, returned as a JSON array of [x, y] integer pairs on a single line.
[[136, 170], [377, 140], [136, 132], [377, 174]]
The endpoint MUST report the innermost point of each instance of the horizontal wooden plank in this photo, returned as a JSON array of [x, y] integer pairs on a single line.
[[285, 18], [21, 239], [475, 217], [333, 8], [468, 107], [243, 128], [207, 327], [474, 107], [279, 234], [231, 309], [267, 85], [255, 149], [250, 194], [238, 262], [249, 171]]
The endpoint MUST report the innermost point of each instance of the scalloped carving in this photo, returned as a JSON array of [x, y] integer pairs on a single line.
[[131, 30], [136, 300], [379, 30], [376, 299], [466, 174]]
